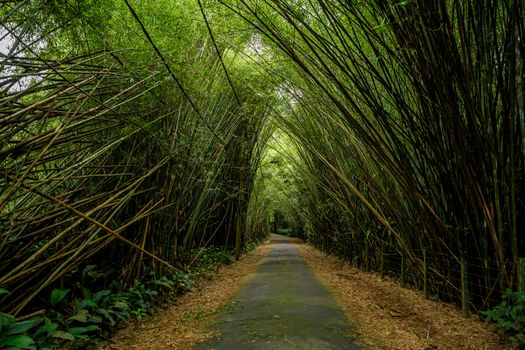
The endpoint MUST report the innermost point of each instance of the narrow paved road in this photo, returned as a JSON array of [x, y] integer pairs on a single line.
[[282, 307]]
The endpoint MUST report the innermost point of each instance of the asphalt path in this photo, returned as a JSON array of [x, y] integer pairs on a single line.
[[283, 306]]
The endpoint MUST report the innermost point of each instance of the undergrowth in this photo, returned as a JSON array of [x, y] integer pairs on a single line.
[[78, 317], [509, 317]]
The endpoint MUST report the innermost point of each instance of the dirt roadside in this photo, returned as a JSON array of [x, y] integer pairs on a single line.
[[390, 316], [182, 324]]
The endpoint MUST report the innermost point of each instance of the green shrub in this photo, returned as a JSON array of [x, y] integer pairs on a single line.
[[285, 231], [213, 256], [13, 334], [77, 317], [509, 317]]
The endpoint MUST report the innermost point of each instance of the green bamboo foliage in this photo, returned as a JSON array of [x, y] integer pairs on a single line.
[[108, 157], [410, 116]]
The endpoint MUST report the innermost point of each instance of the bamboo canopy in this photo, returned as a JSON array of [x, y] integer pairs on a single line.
[[133, 134]]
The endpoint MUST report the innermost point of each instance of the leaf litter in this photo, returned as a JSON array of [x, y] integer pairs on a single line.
[[389, 316], [183, 323]]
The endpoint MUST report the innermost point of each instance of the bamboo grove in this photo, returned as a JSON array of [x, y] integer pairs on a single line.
[[117, 150], [133, 133], [410, 123]]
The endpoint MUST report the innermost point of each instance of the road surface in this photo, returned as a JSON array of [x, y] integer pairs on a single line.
[[283, 306]]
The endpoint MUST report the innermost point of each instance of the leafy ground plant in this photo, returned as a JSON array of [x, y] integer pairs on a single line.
[[79, 317], [13, 334], [509, 317]]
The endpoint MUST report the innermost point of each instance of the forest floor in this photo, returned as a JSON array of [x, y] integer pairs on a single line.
[[384, 314]]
